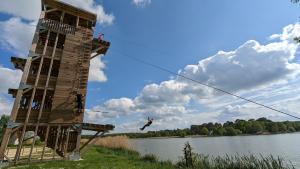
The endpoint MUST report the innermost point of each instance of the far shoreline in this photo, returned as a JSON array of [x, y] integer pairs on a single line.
[[204, 136]]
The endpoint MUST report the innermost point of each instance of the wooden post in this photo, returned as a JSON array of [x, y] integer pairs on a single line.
[[31, 100], [14, 111], [46, 139], [56, 140], [77, 149], [67, 143], [77, 21], [44, 96]]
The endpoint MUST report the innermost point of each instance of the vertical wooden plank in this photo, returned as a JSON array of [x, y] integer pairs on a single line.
[[77, 149], [31, 100], [77, 21], [67, 143], [56, 141], [14, 112], [46, 139], [44, 95]]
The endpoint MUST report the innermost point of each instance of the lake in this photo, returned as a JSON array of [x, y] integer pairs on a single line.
[[286, 146]]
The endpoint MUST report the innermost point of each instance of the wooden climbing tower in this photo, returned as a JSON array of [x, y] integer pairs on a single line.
[[53, 84]]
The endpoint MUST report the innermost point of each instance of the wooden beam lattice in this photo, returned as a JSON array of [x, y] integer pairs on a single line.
[[17, 156]]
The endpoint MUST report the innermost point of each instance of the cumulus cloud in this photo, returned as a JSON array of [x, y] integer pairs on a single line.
[[91, 5], [251, 66], [96, 73], [5, 104], [141, 3], [12, 39], [9, 79], [29, 9], [243, 68]]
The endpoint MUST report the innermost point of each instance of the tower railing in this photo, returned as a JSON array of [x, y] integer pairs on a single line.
[[57, 26]]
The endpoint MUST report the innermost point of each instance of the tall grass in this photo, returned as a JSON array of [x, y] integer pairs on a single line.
[[236, 162], [116, 142], [197, 161]]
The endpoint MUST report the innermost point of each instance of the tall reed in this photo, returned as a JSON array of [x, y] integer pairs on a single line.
[[115, 142]]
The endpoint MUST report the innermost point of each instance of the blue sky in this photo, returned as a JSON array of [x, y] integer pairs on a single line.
[[175, 34]]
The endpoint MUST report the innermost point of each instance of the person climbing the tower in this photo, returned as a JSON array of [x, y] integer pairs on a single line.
[[79, 102], [150, 121], [101, 37]]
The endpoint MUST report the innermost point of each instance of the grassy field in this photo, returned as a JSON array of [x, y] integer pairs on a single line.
[[117, 153], [104, 158]]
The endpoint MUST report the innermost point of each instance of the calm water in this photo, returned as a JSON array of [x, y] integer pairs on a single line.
[[286, 146]]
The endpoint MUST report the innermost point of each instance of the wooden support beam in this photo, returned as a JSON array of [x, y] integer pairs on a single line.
[[51, 10], [13, 116], [46, 139], [67, 143], [7, 158], [16, 129], [77, 148], [44, 96], [36, 58], [94, 136], [95, 55], [17, 156], [99, 48], [56, 141], [45, 90], [26, 90], [77, 21]]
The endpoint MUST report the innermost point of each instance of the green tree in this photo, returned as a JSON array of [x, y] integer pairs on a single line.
[[3, 121], [219, 131], [274, 128], [282, 127], [230, 131], [204, 131], [255, 128]]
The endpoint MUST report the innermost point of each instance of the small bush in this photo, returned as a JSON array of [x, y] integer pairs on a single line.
[[150, 158]]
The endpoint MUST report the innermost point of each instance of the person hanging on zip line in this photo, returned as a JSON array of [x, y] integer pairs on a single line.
[[148, 124]]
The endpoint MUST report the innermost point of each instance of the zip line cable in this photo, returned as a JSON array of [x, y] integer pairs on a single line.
[[203, 84]]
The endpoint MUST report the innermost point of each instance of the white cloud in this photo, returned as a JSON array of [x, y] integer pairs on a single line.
[[141, 3], [9, 79], [29, 9], [96, 73], [92, 6], [11, 38], [5, 104], [251, 66]]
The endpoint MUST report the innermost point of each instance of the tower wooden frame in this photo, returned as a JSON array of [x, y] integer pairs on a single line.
[[54, 73]]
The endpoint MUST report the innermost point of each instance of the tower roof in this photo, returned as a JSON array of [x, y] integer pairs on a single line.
[[55, 4]]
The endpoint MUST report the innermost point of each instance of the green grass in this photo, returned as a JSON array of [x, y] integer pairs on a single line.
[[103, 158], [235, 162]]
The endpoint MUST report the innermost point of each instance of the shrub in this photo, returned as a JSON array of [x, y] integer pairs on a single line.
[[150, 158]]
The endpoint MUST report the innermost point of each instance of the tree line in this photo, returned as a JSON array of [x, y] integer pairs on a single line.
[[229, 128]]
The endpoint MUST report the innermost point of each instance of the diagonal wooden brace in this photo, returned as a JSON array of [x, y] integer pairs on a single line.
[[94, 136]]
